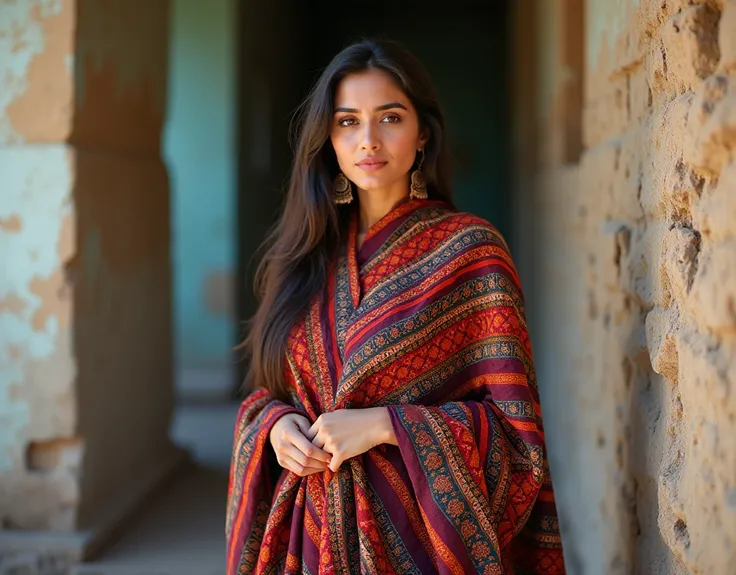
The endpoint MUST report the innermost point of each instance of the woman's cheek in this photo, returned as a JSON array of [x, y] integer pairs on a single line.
[[338, 144], [404, 144]]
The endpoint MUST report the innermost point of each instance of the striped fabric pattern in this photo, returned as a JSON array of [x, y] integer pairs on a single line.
[[427, 319]]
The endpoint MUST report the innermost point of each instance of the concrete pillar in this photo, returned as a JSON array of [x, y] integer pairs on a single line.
[[85, 310]]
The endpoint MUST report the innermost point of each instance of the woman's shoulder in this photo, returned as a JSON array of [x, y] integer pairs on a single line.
[[472, 229]]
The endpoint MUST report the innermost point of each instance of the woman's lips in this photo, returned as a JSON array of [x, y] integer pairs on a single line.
[[371, 165]]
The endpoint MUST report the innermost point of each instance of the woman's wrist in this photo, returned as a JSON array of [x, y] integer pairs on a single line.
[[384, 429]]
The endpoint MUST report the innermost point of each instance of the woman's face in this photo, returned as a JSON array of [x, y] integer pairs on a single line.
[[375, 132]]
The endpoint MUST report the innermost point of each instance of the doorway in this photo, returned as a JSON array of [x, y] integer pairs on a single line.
[[283, 48]]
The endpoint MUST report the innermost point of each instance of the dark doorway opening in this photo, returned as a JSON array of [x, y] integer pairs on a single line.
[[284, 45]]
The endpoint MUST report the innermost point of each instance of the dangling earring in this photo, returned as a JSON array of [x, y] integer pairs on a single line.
[[418, 188], [343, 189]]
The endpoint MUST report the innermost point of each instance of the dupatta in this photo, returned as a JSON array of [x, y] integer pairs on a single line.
[[426, 319]]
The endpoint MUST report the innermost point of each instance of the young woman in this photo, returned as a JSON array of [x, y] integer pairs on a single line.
[[393, 423]]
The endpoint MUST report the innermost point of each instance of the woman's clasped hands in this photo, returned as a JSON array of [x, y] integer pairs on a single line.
[[331, 440]]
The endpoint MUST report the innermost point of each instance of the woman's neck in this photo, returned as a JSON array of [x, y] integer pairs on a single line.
[[375, 204]]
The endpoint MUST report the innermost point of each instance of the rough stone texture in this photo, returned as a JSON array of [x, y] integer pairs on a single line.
[[85, 324], [646, 295]]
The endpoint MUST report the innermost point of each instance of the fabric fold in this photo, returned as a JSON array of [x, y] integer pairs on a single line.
[[428, 322], [254, 474], [459, 458]]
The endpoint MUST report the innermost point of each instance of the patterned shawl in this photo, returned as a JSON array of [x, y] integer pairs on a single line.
[[427, 319]]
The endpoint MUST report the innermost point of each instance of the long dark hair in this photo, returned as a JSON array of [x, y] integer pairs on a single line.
[[305, 239]]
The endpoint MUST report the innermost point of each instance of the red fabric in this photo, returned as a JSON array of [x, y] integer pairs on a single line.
[[427, 319]]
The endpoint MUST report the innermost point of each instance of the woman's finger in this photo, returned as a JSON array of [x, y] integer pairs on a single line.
[[294, 466], [335, 464], [307, 447], [319, 442], [304, 460], [302, 423], [310, 431]]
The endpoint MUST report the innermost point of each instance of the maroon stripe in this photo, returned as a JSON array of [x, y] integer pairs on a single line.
[[297, 527], [375, 241], [484, 367], [444, 529], [372, 244], [545, 509], [394, 507], [327, 323], [310, 552], [416, 304]]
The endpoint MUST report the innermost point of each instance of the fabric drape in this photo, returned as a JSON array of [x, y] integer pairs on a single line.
[[427, 319]]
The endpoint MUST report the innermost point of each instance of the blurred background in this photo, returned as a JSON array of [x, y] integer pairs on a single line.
[[143, 154]]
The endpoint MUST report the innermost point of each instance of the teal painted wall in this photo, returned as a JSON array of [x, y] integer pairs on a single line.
[[199, 148], [469, 69]]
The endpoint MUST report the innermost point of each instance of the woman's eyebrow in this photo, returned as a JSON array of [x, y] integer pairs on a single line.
[[378, 109]]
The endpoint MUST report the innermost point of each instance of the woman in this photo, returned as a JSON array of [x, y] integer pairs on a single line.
[[394, 425]]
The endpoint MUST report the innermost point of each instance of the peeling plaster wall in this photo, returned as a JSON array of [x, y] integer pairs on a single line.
[[37, 368], [37, 239], [36, 45], [637, 347], [85, 322]]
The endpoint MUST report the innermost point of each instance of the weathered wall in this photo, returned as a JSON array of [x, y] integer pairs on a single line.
[[122, 274], [37, 239], [637, 256], [85, 322]]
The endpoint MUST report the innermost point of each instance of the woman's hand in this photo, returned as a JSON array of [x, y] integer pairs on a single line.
[[347, 433], [293, 450]]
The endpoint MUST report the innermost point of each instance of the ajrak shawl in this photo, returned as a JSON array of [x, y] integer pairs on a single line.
[[427, 319]]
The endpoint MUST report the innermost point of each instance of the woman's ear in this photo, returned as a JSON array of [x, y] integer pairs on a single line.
[[423, 137]]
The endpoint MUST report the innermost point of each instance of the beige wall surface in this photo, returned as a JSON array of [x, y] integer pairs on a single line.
[[635, 293]]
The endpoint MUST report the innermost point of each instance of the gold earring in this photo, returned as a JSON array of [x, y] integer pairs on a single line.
[[418, 188], [343, 189]]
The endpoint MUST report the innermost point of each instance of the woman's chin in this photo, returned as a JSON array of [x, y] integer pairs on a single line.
[[375, 184]]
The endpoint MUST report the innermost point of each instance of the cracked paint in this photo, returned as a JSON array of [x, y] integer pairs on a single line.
[[84, 315], [36, 95], [34, 310], [11, 224]]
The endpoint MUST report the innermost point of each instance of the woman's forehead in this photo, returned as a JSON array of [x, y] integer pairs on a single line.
[[368, 90]]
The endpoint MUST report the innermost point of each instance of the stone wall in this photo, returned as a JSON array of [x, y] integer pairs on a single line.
[[636, 250], [85, 318]]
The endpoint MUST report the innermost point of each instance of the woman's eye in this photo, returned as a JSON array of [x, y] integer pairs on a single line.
[[392, 119], [345, 122]]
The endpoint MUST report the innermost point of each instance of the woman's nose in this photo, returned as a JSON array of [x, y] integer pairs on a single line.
[[370, 140]]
